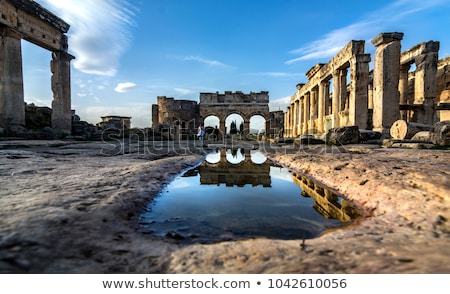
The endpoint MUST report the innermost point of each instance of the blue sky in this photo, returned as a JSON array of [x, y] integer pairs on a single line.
[[128, 52]]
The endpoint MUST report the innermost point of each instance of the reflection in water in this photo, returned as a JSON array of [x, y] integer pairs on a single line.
[[240, 194]]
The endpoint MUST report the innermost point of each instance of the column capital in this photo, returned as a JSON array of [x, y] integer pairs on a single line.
[[384, 38]]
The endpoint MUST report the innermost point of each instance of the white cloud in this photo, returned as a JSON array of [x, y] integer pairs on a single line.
[[373, 23], [99, 32], [280, 104], [203, 60], [182, 91], [124, 87]]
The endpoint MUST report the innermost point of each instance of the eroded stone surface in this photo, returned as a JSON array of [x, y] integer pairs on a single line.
[[72, 207]]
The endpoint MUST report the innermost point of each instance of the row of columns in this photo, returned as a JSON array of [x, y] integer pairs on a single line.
[[316, 103], [384, 95], [12, 102]]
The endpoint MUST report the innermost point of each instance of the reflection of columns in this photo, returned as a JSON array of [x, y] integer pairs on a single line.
[[358, 100], [306, 113], [385, 81], [336, 97], [403, 88], [12, 107], [61, 106]]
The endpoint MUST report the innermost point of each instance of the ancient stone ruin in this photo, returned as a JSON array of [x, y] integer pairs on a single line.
[[27, 20], [345, 93], [187, 114]]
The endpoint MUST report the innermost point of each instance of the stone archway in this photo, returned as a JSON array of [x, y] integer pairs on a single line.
[[25, 19], [245, 105]]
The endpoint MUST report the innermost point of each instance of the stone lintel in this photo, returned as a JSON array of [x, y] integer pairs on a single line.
[[384, 38], [408, 56], [313, 70], [40, 12]]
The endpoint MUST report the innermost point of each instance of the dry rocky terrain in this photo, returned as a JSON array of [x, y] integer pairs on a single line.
[[73, 207]]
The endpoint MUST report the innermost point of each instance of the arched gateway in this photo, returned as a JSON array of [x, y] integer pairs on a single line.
[[25, 19], [246, 105]]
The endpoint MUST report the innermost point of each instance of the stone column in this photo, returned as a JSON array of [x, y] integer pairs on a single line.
[[322, 104], [313, 109], [246, 128], [425, 81], [359, 84], [336, 97], [12, 102], [306, 113], [343, 83], [61, 105], [314, 103], [222, 128], [296, 116], [385, 81], [287, 123], [403, 88]]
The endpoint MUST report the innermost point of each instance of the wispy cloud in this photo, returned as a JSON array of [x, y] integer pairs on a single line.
[[372, 24], [183, 91], [196, 58], [278, 74], [280, 104], [99, 32], [124, 87]]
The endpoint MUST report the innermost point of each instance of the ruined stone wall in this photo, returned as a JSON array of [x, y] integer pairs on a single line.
[[443, 77], [328, 100], [238, 97], [412, 85], [27, 20], [245, 105], [276, 124], [172, 112]]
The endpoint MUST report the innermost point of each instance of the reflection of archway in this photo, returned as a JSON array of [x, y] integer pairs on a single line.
[[30, 21], [225, 171], [246, 105]]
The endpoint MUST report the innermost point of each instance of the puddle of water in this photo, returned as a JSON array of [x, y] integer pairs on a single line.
[[237, 195]]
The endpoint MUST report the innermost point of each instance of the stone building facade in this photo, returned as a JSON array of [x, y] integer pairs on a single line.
[[246, 105], [115, 122], [344, 92], [170, 112], [188, 114], [27, 20]]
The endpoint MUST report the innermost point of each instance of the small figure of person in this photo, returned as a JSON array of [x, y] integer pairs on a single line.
[[200, 133], [216, 134]]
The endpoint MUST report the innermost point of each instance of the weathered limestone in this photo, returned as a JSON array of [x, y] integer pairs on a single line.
[[316, 110], [440, 134], [25, 19], [386, 97], [12, 107], [61, 105], [425, 58], [402, 129], [187, 114], [246, 105]]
